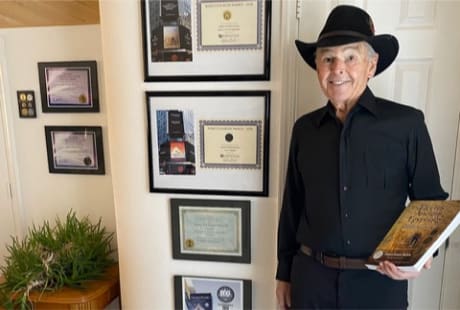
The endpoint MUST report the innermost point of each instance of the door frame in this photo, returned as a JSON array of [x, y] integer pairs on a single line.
[[6, 130]]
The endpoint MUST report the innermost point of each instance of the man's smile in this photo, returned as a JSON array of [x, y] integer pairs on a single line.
[[338, 83]]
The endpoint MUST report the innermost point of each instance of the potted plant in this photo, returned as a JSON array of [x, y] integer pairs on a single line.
[[48, 258]]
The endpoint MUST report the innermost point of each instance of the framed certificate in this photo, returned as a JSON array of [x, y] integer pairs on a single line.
[[75, 149], [209, 142], [193, 292], [225, 144], [211, 230], [206, 40], [69, 86]]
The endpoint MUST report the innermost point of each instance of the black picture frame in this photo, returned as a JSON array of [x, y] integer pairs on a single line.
[[183, 41], [211, 230], [209, 142], [75, 149], [195, 292], [69, 86]]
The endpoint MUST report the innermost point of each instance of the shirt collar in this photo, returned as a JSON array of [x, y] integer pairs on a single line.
[[366, 101]]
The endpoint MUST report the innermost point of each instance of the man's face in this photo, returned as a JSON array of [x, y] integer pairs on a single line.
[[343, 72]]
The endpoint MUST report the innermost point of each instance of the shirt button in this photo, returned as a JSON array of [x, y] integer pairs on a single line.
[[347, 215], [345, 188], [348, 242]]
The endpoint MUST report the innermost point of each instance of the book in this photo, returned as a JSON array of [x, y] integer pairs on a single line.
[[199, 301], [418, 232]]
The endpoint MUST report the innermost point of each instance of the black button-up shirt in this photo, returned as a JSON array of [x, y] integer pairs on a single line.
[[347, 183]]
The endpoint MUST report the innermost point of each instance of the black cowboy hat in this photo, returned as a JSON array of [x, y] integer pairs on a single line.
[[347, 24]]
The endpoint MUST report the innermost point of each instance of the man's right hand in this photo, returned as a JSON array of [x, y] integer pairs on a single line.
[[283, 294]]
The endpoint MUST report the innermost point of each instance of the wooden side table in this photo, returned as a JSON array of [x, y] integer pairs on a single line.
[[95, 294]]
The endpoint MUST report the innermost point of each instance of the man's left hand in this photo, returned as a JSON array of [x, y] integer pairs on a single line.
[[392, 271]]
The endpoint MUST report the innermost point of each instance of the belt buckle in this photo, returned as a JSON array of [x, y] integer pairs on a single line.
[[342, 262], [320, 257]]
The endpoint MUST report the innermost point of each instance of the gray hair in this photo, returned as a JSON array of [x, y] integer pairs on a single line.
[[371, 53]]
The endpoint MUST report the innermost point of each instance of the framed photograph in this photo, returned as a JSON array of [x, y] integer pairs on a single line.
[[69, 86], [211, 230], [75, 149], [192, 292], [209, 142], [206, 40]]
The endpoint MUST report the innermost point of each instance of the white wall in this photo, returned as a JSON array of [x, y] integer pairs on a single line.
[[143, 219], [46, 195]]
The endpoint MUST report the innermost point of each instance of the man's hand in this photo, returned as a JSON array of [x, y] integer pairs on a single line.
[[283, 294], [390, 269]]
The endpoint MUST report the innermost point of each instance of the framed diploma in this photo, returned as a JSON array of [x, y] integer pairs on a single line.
[[69, 86], [75, 149], [211, 230], [209, 142], [206, 40], [193, 292]]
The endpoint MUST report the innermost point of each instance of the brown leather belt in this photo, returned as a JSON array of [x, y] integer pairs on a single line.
[[339, 262]]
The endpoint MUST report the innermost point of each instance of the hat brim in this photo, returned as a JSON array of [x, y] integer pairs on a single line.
[[385, 45]]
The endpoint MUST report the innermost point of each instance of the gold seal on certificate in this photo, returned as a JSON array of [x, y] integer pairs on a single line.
[[230, 144], [229, 24], [227, 15], [189, 243], [82, 98]]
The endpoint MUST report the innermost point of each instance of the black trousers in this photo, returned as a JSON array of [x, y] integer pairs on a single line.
[[314, 286]]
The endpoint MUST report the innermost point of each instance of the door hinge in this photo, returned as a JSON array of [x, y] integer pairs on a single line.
[[298, 8]]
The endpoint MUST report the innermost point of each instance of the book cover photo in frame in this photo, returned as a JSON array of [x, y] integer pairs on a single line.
[[206, 293], [206, 40], [68, 86], [211, 230], [213, 142], [75, 149]]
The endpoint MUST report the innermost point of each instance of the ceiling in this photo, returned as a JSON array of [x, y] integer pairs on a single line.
[[33, 13]]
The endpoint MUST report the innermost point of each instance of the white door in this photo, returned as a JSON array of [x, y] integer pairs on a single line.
[[7, 219], [425, 75], [450, 298]]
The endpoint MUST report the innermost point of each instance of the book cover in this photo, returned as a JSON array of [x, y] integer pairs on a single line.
[[199, 301], [418, 232]]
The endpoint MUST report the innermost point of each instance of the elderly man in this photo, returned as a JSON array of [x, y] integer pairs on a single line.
[[352, 165]]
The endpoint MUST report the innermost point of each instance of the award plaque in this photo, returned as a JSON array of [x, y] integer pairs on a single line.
[[213, 142], [26, 103], [205, 293], [211, 230]]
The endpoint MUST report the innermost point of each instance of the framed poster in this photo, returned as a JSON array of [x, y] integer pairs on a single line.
[[75, 149], [192, 292], [209, 142], [69, 86], [206, 40], [212, 230]]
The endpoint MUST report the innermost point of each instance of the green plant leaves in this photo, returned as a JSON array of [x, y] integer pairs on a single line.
[[48, 258]]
